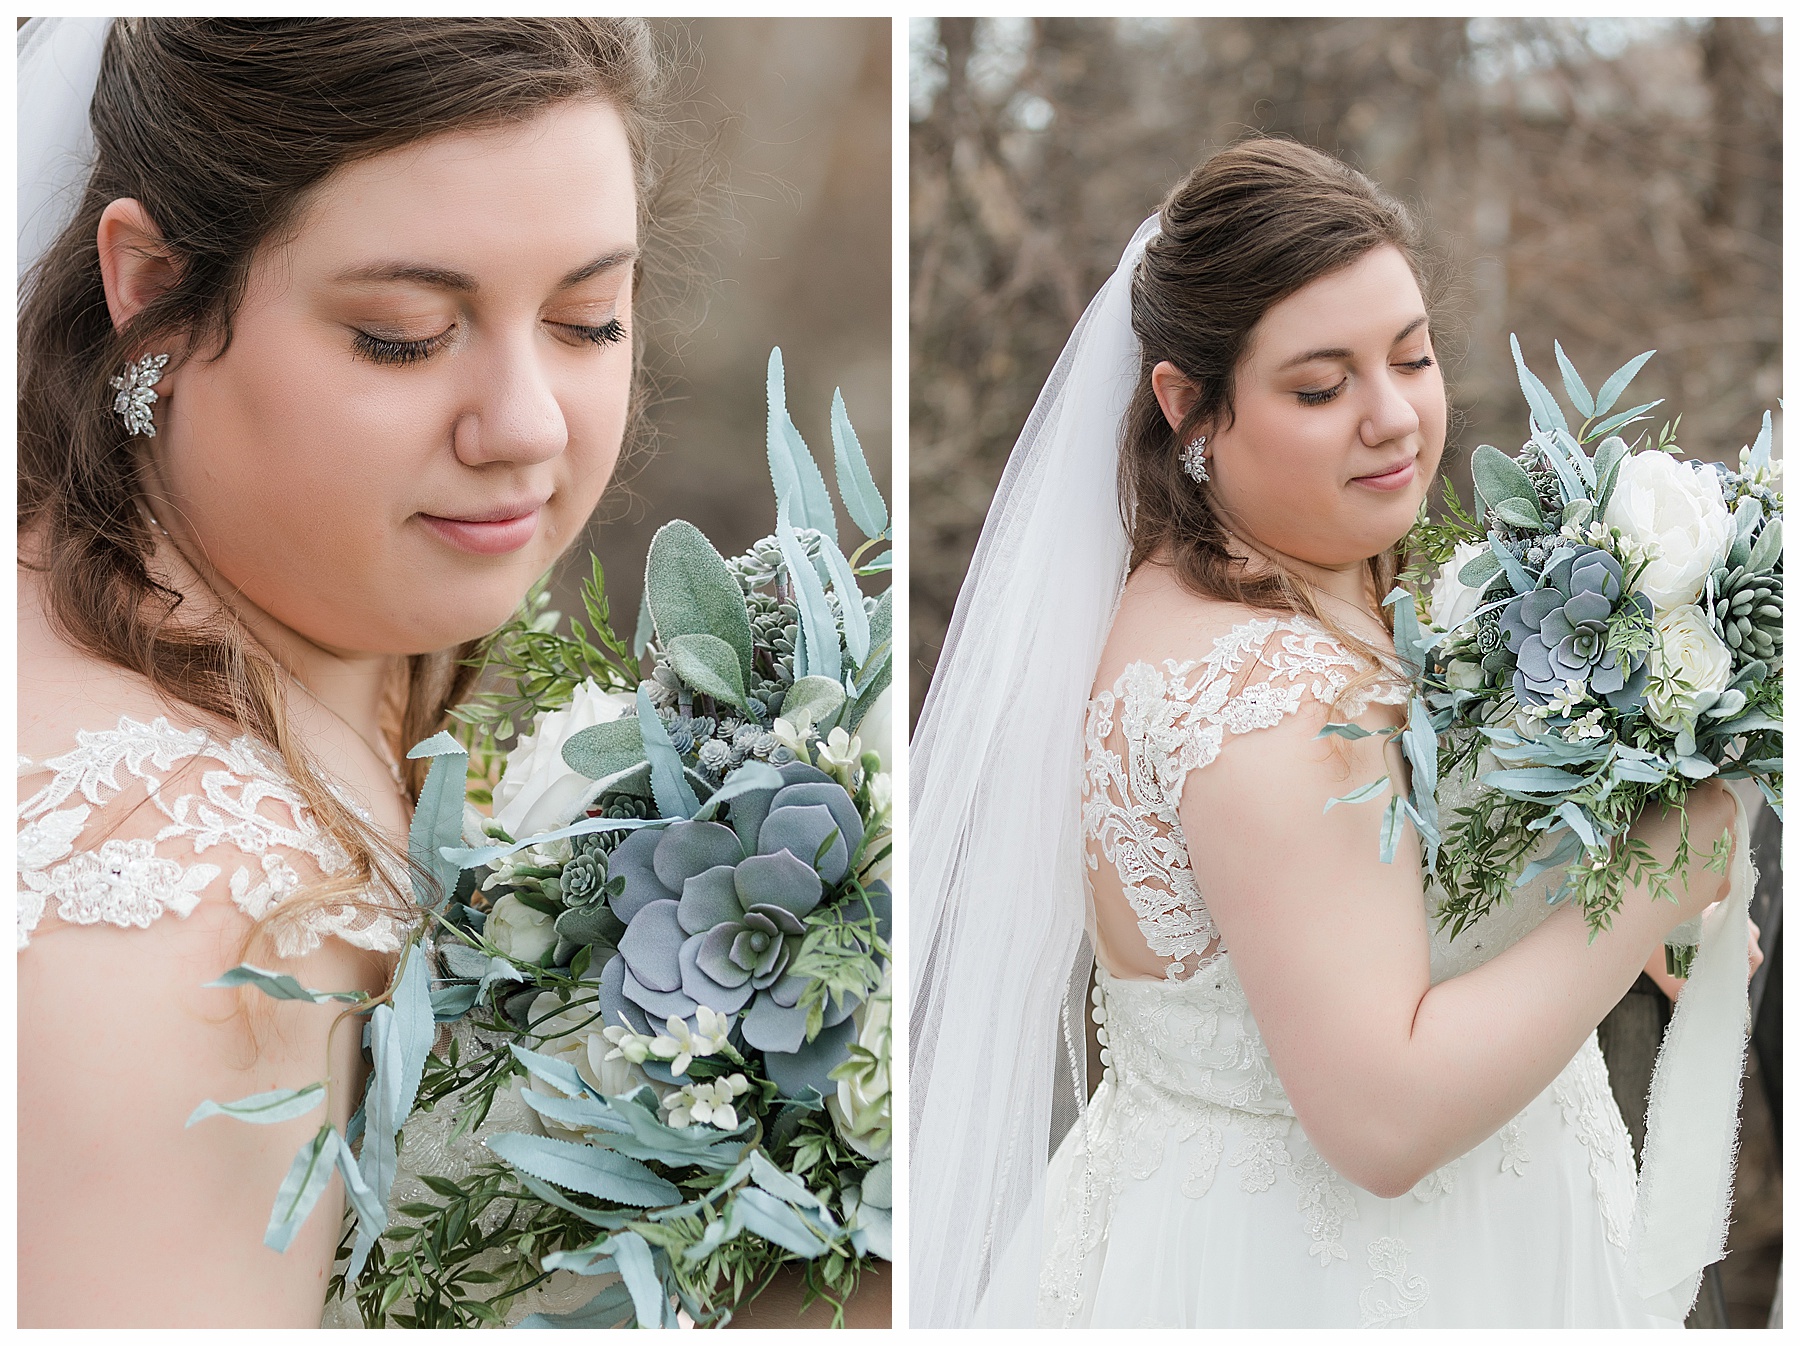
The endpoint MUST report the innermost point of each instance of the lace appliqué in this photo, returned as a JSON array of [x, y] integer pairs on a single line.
[[245, 802], [1585, 1096], [1514, 1153], [1173, 720], [1393, 1294]]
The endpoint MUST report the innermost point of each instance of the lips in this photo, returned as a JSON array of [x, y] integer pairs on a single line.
[[493, 531], [1389, 479]]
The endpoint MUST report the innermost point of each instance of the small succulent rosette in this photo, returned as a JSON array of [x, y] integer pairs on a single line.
[[1603, 630]]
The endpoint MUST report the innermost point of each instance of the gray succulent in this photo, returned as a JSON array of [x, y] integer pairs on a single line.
[[714, 915], [1558, 632]]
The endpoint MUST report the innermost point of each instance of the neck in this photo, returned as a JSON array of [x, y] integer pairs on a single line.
[[1343, 584]]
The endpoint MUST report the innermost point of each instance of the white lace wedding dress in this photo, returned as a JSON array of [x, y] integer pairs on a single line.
[[142, 822], [1188, 1194]]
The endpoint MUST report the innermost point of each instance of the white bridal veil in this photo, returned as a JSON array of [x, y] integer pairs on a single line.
[[995, 879], [59, 63], [1000, 963]]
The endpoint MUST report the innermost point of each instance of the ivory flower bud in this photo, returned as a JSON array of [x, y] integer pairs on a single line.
[[538, 791], [519, 932], [1689, 667]]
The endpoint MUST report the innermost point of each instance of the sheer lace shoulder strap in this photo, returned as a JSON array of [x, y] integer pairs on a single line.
[[143, 820], [1159, 723]]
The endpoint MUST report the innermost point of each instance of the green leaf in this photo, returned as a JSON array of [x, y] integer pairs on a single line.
[[278, 1105], [301, 1188], [853, 618], [674, 798], [778, 1222], [823, 656], [437, 820], [824, 697], [1579, 397], [280, 986], [856, 486], [691, 591], [1608, 458], [637, 1267], [796, 477], [400, 1038], [1543, 406], [585, 1168], [604, 750], [1520, 513], [1536, 780], [1481, 569], [873, 678], [646, 626], [1767, 550], [1391, 819], [1616, 383], [1621, 419], [1360, 796], [1498, 477], [709, 666], [1345, 731]]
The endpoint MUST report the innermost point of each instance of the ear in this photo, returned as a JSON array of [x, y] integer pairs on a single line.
[[1175, 393], [135, 265]]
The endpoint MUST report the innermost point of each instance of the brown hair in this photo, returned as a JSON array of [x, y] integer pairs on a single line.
[[1252, 225], [223, 128]]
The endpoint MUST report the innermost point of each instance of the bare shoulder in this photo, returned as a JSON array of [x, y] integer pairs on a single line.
[[1159, 621]]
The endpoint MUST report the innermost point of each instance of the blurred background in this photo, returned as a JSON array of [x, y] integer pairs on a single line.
[[1613, 184], [779, 197]]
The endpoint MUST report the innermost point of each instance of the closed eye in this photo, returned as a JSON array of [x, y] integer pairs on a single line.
[[605, 334], [389, 351]]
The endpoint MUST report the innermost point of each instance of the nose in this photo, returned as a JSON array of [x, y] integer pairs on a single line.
[[1391, 415], [514, 415]]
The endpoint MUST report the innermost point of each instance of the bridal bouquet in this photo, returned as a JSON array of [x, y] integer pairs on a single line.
[[670, 942], [1603, 631]]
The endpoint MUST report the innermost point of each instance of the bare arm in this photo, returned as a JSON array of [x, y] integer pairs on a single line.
[[1390, 1076], [133, 1219]]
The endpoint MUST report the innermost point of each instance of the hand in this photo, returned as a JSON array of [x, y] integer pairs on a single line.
[[1657, 967], [1710, 810]]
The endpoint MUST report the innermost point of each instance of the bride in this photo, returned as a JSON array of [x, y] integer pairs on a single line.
[[1315, 1111], [325, 360]]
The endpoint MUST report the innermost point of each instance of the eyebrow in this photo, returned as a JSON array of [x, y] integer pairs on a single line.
[[1339, 353], [460, 282]]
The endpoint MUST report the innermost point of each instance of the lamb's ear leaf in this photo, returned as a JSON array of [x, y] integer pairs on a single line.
[[709, 665], [691, 591]]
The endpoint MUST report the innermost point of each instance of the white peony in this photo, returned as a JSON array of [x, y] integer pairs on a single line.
[[1689, 667], [1451, 600], [862, 1109], [1676, 512], [538, 792], [519, 932]]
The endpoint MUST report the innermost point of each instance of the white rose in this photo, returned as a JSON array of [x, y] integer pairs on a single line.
[[1676, 511], [1465, 675], [1451, 600], [518, 931], [537, 791], [572, 1034], [877, 727], [862, 1109], [1689, 667]]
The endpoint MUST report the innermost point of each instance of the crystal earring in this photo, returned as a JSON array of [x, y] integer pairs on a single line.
[[137, 390], [1193, 461]]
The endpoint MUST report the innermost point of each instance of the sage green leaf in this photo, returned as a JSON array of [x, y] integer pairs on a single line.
[[555, 1072], [1520, 513], [1479, 570], [370, 1211], [637, 1267], [1617, 381], [600, 1219], [1498, 477], [823, 656], [778, 1222], [1543, 406], [301, 1188], [824, 697], [793, 472], [1367, 792], [853, 618], [691, 591], [278, 1105], [585, 1168], [709, 666], [784, 1186], [750, 776], [1391, 819], [1344, 731], [437, 820], [1515, 573], [668, 782], [1608, 458], [474, 857], [1533, 780], [400, 1038], [280, 986], [1579, 397], [875, 675], [1566, 850], [612, 1307], [603, 750], [856, 486], [1619, 420], [1767, 550], [646, 626], [1765, 441], [1409, 639]]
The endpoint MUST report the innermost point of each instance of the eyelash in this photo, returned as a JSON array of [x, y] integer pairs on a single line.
[[385, 351], [1324, 395]]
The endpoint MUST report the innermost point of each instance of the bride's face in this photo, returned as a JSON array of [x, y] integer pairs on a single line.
[[425, 390], [1340, 417]]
